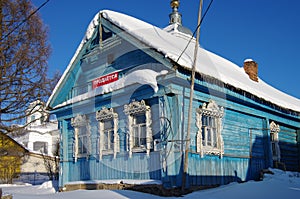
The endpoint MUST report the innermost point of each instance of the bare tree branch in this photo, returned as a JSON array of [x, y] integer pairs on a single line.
[[23, 61]]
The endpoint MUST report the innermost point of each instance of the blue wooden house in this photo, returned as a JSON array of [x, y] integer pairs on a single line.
[[122, 106]]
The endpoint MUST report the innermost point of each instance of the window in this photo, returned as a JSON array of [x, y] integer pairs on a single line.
[[274, 130], [209, 131], [108, 135], [41, 147], [139, 130], [108, 140], [139, 127], [81, 143], [209, 123]]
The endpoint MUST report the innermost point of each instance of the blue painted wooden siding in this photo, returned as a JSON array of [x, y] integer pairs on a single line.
[[139, 167], [246, 143], [244, 154], [211, 170], [289, 150]]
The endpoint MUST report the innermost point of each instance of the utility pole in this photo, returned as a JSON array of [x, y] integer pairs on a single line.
[[187, 144]]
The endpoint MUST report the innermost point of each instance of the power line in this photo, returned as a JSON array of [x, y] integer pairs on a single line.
[[26, 19], [198, 26]]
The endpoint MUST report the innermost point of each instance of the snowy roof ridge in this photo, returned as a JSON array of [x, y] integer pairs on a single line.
[[208, 63], [172, 45]]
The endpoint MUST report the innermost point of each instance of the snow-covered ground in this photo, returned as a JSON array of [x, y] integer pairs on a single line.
[[280, 185]]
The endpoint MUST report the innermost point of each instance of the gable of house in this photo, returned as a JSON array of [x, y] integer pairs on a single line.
[[11, 158], [109, 54]]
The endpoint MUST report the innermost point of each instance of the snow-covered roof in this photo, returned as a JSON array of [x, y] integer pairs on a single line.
[[172, 44], [47, 127]]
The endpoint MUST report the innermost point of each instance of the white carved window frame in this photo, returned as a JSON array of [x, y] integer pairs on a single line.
[[132, 109], [210, 109], [103, 115], [274, 139], [81, 123]]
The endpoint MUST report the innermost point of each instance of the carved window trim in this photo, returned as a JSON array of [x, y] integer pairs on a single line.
[[274, 139], [102, 116], [82, 129], [132, 110], [212, 110]]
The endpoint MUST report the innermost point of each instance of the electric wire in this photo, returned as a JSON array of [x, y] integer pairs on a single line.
[[24, 20], [207, 9]]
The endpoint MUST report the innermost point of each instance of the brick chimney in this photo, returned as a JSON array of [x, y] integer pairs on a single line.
[[251, 68]]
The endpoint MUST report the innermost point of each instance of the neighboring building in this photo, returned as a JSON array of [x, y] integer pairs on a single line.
[[18, 164], [40, 135], [38, 168], [122, 106]]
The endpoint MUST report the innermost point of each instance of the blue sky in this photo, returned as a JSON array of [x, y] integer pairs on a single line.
[[267, 31]]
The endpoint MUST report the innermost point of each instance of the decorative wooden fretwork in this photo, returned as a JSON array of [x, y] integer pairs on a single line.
[[79, 120], [103, 115], [274, 139], [136, 107], [274, 128], [209, 137], [131, 110], [81, 137]]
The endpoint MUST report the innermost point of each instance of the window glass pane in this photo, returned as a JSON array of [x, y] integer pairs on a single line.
[[40, 147], [79, 145], [140, 119], [213, 122], [105, 141], [209, 121], [209, 137], [143, 135], [108, 140], [136, 136], [82, 140], [203, 136], [82, 144], [108, 134], [274, 151], [82, 130], [272, 136], [111, 140], [204, 120], [214, 130], [108, 124]]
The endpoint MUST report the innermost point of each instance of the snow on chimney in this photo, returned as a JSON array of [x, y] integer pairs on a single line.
[[251, 68]]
